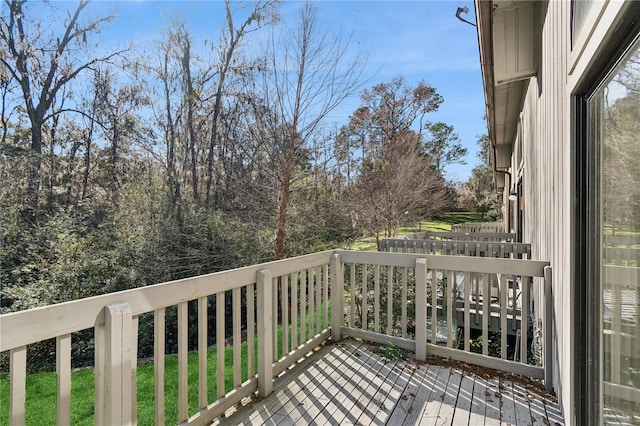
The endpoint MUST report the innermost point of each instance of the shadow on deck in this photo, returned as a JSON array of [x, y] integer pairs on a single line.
[[350, 383]]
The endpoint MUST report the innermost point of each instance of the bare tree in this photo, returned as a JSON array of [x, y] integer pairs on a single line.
[[263, 12], [399, 187], [43, 64], [308, 74]]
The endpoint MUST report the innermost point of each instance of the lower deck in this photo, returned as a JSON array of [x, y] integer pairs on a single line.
[[351, 382]]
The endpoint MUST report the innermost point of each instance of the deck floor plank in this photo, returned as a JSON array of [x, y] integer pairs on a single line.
[[492, 399], [448, 407], [478, 402], [388, 395], [433, 404], [521, 403], [350, 383], [507, 405], [368, 393], [407, 409], [463, 402]]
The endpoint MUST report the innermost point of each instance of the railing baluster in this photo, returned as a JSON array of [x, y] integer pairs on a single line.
[[390, 300], [514, 302], [251, 327], [134, 370], [183, 365], [158, 364], [504, 293], [421, 309], [220, 343], [237, 337], [524, 323], [303, 302], [312, 301], [337, 296], [548, 328], [352, 284], [326, 296], [450, 295], [63, 371], [376, 300], [434, 304], [477, 298], [616, 331], [467, 307], [364, 314], [202, 353], [295, 287], [486, 313], [274, 323], [285, 314], [403, 302], [17, 378], [117, 319], [265, 316], [318, 300], [99, 371]]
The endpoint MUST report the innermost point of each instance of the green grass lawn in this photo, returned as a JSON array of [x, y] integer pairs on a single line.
[[440, 224]]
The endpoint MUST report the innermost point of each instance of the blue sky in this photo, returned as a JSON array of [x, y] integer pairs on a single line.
[[415, 39]]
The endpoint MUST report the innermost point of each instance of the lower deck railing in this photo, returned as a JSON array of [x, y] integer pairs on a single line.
[[279, 311]]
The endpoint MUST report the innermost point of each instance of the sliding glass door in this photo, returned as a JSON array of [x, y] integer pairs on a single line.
[[613, 244]]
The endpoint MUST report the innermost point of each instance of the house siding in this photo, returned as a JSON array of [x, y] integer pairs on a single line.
[[545, 132], [546, 175]]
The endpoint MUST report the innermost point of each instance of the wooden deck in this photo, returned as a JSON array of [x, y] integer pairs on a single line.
[[350, 383]]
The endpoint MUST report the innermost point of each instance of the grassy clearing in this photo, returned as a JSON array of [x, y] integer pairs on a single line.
[[440, 224]]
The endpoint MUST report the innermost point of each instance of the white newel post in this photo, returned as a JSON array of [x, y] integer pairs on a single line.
[[421, 309], [118, 354], [547, 338], [265, 289], [337, 297]]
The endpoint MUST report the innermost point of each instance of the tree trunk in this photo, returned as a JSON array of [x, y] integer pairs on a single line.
[[33, 188]]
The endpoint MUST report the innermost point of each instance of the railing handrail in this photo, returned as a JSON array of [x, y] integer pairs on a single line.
[[488, 265], [47, 322]]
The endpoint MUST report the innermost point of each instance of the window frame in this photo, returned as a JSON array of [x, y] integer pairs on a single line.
[[587, 154]]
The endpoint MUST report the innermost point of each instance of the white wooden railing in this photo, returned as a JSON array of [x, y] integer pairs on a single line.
[[289, 310], [460, 236], [114, 318], [380, 288], [478, 227], [621, 332], [455, 247]]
